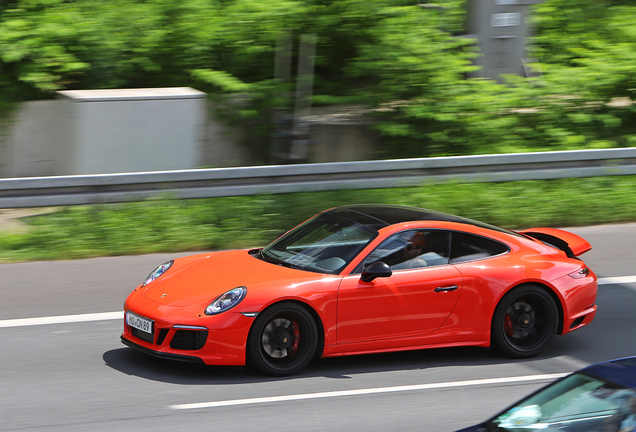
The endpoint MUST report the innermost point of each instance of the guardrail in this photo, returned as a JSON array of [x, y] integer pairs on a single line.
[[218, 182]]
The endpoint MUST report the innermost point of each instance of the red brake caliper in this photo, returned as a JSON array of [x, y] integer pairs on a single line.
[[508, 326], [292, 350]]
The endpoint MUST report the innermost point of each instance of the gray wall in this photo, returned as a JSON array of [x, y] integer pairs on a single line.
[[95, 133], [128, 130], [342, 134], [28, 140], [105, 131]]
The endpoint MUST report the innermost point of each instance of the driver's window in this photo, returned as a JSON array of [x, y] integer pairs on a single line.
[[412, 249]]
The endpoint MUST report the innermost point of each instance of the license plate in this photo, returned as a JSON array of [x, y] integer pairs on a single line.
[[141, 323]]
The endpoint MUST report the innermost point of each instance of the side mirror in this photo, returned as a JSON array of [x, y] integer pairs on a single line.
[[375, 270]]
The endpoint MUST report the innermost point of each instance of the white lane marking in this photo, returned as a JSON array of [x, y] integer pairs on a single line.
[[62, 319], [297, 397], [617, 280]]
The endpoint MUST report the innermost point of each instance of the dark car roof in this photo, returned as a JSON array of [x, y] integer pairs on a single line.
[[620, 371], [379, 216]]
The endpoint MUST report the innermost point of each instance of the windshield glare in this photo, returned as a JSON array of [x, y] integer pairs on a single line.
[[324, 244], [579, 402]]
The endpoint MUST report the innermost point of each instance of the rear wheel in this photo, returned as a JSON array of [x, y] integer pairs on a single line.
[[525, 321], [283, 339]]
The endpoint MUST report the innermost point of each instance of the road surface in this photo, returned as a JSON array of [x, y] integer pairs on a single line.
[[77, 376]]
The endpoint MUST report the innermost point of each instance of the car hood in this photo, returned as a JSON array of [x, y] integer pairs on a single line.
[[207, 278]]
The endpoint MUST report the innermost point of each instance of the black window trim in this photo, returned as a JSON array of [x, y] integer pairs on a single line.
[[475, 235], [359, 268]]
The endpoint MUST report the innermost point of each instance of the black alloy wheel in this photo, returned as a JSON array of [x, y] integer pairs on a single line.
[[525, 321], [283, 339]]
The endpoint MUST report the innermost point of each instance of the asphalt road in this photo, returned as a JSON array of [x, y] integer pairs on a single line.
[[79, 377]]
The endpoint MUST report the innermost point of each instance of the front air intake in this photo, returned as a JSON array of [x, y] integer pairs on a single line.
[[577, 322], [189, 340]]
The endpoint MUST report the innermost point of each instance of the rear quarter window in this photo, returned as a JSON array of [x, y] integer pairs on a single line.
[[468, 247]]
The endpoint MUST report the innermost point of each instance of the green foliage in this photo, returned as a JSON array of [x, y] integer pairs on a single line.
[[392, 55], [222, 80], [590, 46], [165, 225], [56, 44], [586, 50]]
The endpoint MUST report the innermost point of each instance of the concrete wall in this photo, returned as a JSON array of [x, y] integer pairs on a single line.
[[28, 140], [132, 130], [342, 134], [223, 144], [109, 133]]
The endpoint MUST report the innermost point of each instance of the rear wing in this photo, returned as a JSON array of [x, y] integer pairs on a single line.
[[572, 244]]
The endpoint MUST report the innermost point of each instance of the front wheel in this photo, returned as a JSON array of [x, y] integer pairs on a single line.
[[525, 321], [283, 339]]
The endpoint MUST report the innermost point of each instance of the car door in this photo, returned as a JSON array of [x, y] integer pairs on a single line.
[[413, 301]]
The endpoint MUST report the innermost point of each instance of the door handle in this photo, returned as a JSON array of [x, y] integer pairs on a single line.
[[446, 288]]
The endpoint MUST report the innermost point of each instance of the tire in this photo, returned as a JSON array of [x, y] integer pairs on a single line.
[[283, 340], [525, 321]]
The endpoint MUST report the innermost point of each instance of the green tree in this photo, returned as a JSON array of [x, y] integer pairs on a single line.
[[405, 61]]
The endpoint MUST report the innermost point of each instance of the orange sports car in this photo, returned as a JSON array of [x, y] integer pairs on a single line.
[[363, 279]]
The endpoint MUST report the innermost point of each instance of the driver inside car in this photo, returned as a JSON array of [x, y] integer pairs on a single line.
[[409, 256]]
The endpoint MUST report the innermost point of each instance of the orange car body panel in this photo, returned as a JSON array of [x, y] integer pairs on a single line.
[[399, 312]]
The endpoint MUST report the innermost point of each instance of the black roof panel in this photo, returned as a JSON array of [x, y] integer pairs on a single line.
[[386, 214], [382, 215]]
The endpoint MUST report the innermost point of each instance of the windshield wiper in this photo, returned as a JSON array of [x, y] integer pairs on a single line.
[[290, 265], [278, 261], [261, 255]]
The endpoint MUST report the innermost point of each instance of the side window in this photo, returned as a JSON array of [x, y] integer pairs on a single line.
[[468, 247], [411, 250]]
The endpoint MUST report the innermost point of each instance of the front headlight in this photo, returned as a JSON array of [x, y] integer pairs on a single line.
[[158, 272], [226, 301]]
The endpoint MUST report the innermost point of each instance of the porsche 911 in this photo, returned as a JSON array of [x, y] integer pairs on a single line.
[[363, 279]]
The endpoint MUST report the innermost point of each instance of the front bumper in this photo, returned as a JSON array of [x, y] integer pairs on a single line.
[[213, 340], [163, 355]]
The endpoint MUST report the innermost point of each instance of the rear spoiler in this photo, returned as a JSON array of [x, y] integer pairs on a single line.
[[572, 244]]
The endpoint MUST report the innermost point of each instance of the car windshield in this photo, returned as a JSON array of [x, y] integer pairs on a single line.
[[579, 402], [324, 244]]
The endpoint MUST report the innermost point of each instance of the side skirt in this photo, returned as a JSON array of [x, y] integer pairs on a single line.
[[351, 349]]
